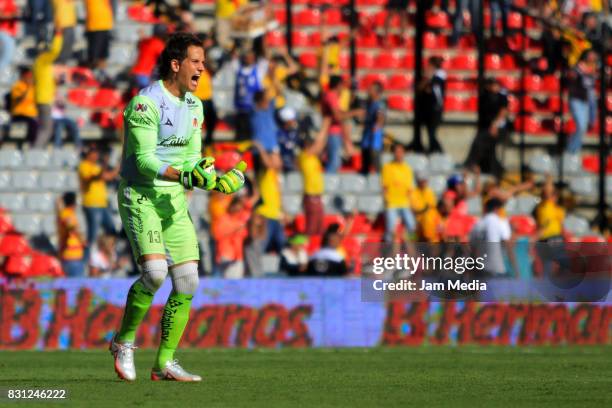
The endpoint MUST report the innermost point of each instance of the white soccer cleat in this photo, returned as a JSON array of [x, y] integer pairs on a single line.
[[172, 371], [124, 359]]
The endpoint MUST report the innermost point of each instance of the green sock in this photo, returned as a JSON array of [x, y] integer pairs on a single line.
[[173, 323], [138, 302]]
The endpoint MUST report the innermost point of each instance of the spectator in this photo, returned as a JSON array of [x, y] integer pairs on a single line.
[[65, 18], [255, 246], [582, 98], [44, 81], [94, 177], [263, 124], [229, 233], [22, 104], [8, 31], [492, 127], [217, 208], [397, 184], [279, 68], [204, 91], [294, 258], [312, 176], [249, 81], [331, 109], [552, 49], [98, 27], [458, 193], [40, 16], [422, 197], [70, 241], [103, 262], [549, 218], [268, 179], [461, 7], [397, 8], [373, 129], [328, 261], [490, 236], [288, 137], [225, 10], [149, 50], [432, 223], [432, 90], [499, 7], [60, 120]]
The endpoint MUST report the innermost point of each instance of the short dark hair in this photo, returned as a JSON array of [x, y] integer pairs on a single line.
[[378, 85], [334, 81], [69, 199], [259, 96], [176, 49], [493, 204]]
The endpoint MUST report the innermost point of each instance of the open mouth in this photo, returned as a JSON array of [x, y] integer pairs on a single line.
[[194, 80]]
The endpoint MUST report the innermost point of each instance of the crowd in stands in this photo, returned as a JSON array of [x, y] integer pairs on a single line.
[[292, 132]]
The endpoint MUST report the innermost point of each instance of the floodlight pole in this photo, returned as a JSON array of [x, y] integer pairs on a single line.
[[289, 26], [418, 67], [602, 219], [352, 44]]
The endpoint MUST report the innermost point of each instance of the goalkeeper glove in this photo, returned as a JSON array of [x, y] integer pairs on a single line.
[[233, 180], [202, 176]]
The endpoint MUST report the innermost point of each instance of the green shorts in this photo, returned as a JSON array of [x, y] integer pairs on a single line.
[[156, 221]]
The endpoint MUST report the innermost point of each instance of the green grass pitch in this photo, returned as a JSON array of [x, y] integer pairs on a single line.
[[380, 377]]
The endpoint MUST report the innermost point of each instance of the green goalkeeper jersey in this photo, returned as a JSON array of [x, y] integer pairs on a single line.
[[161, 130]]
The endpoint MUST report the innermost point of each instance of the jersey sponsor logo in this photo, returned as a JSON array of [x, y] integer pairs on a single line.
[[139, 120], [190, 101], [140, 107], [168, 122], [173, 141]]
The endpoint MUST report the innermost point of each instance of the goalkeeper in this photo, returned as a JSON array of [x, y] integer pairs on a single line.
[[161, 159]]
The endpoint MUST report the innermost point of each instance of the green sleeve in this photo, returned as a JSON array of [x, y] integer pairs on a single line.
[[194, 148], [141, 120]]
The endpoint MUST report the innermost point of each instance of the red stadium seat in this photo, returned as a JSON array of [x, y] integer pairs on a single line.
[[83, 76], [360, 225], [371, 2], [364, 60], [471, 105], [591, 164], [367, 41], [515, 21], [387, 60], [437, 20], [408, 61], [314, 244], [508, 82], [106, 98], [307, 17], [18, 265], [400, 102], [464, 62], [6, 225], [281, 16], [80, 97], [369, 79], [453, 103], [431, 41], [592, 239], [532, 125], [142, 14], [45, 265], [523, 224], [508, 62], [332, 17], [300, 39], [309, 59], [550, 83], [492, 62], [315, 39], [533, 83], [14, 244], [299, 223], [330, 219], [275, 38], [399, 82]]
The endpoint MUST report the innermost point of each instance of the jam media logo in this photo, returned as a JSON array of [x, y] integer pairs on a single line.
[[140, 107]]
